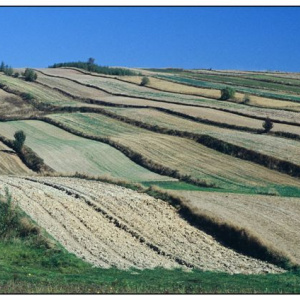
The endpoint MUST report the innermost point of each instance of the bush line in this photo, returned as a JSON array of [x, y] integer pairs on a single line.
[[169, 102], [28, 156], [239, 239], [208, 141], [134, 156]]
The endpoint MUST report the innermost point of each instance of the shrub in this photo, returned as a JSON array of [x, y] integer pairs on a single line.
[[30, 75], [227, 93], [19, 140], [8, 71], [16, 75], [8, 215], [145, 81], [2, 67], [267, 125]]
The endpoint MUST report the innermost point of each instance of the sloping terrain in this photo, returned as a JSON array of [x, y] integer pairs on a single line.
[[178, 153], [67, 153], [112, 226], [10, 163], [12, 106], [273, 220]]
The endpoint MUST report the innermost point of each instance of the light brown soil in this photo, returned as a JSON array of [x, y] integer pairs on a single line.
[[13, 106], [10, 163], [113, 226], [274, 220]]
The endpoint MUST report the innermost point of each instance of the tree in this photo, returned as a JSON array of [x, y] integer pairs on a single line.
[[267, 125], [2, 67], [91, 61], [30, 75], [20, 138], [145, 81], [227, 93]]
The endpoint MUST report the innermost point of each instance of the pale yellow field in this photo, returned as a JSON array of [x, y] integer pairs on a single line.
[[283, 149], [273, 220], [10, 163]]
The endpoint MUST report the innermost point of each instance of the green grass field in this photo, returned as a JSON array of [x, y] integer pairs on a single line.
[[67, 153]]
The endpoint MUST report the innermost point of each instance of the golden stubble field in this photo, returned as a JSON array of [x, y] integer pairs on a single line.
[[273, 220]]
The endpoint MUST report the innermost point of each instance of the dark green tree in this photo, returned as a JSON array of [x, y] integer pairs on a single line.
[[227, 93], [30, 75], [267, 125], [2, 67], [145, 81], [20, 138]]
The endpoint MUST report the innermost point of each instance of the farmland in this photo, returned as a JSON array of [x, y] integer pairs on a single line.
[[161, 177]]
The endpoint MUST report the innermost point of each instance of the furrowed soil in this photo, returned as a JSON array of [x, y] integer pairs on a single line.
[[111, 226], [274, 220]]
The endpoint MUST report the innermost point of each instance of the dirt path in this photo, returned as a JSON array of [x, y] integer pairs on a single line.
[[110, 226]]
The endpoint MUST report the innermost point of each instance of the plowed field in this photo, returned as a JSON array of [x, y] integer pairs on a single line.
[[112, 226]]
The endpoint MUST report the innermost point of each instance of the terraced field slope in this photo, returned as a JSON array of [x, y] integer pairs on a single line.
[[12, 106], [112, 226], [10, 163], [67, 153], [178, 153], [75, 84], [273, 220], [284, 149]]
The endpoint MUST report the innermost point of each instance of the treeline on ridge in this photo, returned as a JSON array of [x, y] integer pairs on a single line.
[[92, 67]]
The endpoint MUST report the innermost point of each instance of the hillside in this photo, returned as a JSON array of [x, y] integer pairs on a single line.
[[216, 166]]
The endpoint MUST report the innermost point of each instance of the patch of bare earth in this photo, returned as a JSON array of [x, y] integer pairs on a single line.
[[111, 226], [273, 220]]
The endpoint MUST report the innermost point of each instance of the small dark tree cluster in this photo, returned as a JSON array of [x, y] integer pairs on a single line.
[[227, 93], [145, 81], [30, 75], [6, 69], [267, 125], [19, 140]]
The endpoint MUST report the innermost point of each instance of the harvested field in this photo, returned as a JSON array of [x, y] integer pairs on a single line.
[[67, 153], [10, 163], [173, 87], [12, 106], [273, 220], [272, 146], [111, 226], [184, 155], [88, 92], [41, 94]]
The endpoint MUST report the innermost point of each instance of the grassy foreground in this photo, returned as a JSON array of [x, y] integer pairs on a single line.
[[29, 269], [31, 263]]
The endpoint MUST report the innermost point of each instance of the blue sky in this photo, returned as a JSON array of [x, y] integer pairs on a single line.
[[253, 38]]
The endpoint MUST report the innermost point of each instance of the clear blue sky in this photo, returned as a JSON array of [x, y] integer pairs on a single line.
[[254, 38]]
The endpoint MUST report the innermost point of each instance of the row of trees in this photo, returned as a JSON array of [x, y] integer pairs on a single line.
[[90, 66], [29, 74]]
